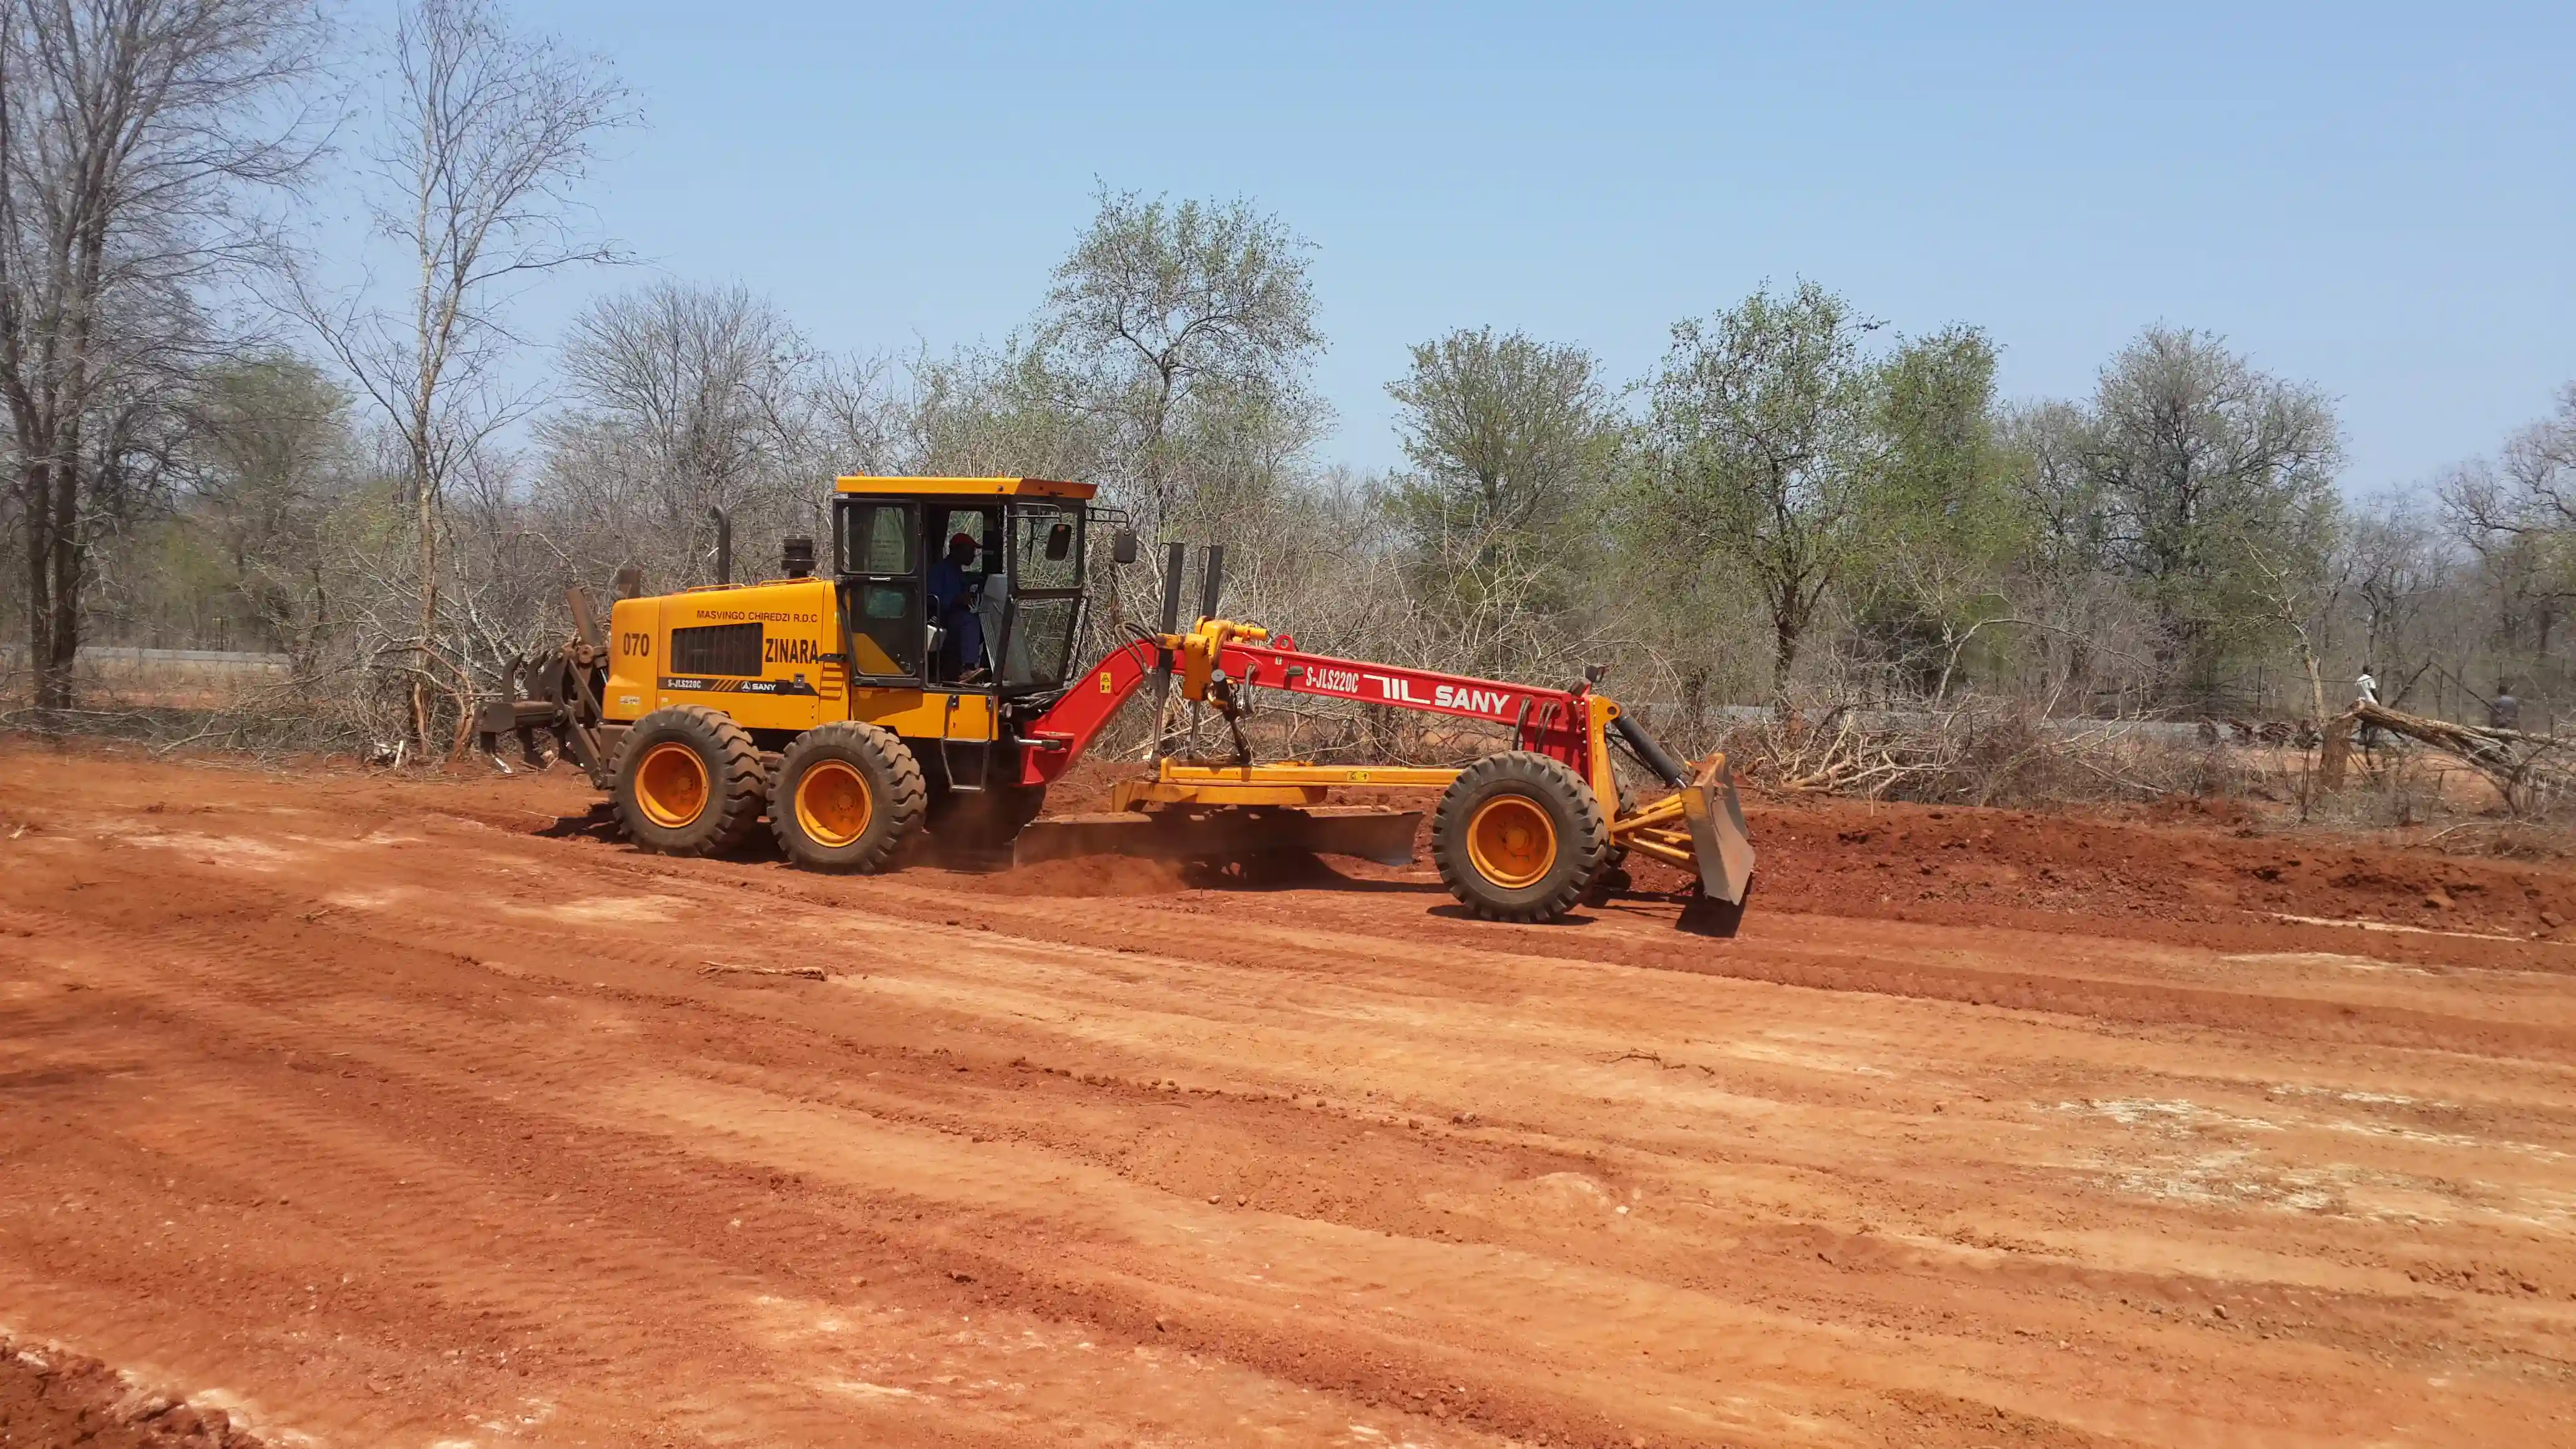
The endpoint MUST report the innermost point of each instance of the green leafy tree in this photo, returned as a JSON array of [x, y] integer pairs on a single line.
[[1763, 447], [1943, 526], [1511, 442], [270, 452], [1185, 333]]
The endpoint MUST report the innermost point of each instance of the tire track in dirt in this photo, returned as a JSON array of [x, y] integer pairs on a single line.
[[210, 942], [1850, 1216], [250, 1032], [1457, 960], [256, 1033]]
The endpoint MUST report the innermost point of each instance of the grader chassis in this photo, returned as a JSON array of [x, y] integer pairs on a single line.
[[823, 705]]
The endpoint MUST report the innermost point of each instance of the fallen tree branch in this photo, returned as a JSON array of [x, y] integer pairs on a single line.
[[2526, 769]]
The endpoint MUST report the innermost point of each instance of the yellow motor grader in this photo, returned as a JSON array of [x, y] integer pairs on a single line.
[[927, 683]]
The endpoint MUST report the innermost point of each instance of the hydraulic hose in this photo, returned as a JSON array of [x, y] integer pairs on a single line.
[[1649, 753]]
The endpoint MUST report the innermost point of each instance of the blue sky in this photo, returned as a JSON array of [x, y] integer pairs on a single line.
[[2378, 199]]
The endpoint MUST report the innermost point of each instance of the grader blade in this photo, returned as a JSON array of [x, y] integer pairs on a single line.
[[1224, 832], [1718, 838]]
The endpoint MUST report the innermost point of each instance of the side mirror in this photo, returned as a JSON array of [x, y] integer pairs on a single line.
[[1059, 542], [1122, 546]]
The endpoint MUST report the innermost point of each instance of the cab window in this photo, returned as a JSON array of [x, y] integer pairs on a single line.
[[1046, 548], [881, 589], [876, 538]]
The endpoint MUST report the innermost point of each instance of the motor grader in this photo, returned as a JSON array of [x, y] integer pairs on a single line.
[[925, 686]]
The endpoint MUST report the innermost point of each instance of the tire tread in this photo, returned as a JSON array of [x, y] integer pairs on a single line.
[[1566, 885], [906, 800], [739, 785]]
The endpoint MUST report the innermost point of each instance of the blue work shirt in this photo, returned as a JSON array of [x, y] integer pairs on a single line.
[[947, 586], [952, 607]]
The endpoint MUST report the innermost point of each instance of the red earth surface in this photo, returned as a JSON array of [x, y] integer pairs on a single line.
[[367, 1110]]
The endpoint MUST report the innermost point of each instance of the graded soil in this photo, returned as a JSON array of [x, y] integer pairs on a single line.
[[362, 1110]]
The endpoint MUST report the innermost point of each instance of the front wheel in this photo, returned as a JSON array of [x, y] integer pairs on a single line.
[[847, 797], [1519, 837]]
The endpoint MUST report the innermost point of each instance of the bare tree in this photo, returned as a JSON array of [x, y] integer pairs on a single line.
[[2297, 591], [2192, 450], [851, 417], [2517, 514], [685, 398], [2396, 565], [134, 138], [2531, 490], [489, 131]]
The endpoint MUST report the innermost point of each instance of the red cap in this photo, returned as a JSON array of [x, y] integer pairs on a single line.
[[967, 539]]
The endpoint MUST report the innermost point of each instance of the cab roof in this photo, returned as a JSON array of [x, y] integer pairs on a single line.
[[978, 487]]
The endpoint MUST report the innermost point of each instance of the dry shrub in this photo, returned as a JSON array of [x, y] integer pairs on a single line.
[[2526, 840], [292, 718], [1987, 753]]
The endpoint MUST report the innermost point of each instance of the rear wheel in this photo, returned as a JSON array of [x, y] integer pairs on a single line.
[[1518, 837], [689, 782], [846, 798]]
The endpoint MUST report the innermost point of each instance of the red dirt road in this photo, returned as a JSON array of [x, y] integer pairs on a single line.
[[386, 1112]]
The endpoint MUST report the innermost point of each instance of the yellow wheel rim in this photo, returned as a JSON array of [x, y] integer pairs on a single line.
[[671, 785], [832, 803], [1511, 842]]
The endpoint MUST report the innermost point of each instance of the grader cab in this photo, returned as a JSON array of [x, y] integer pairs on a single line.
[[925, 685]]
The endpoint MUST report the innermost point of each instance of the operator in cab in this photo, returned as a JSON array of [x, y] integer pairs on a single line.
[[952, 607]]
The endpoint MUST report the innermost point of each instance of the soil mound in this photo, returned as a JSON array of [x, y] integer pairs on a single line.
[[1088, 876], [1852, 859], [49, 1398]]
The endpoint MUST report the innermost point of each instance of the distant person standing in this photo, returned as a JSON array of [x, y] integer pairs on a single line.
[[2366, 691], [2504, 712]]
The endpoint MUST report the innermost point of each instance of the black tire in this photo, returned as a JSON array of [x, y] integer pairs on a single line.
[[1608, 881], [1510, 793], [1611, 878], [652, 777], [827, 758]]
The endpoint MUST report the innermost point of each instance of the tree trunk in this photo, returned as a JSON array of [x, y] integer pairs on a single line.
[[52, 493], [54, 673], [36, 485], [428, 609], [1786, 628]]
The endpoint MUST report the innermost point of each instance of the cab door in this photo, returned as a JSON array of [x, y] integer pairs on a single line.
[[1045, 558], [879, 543]]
